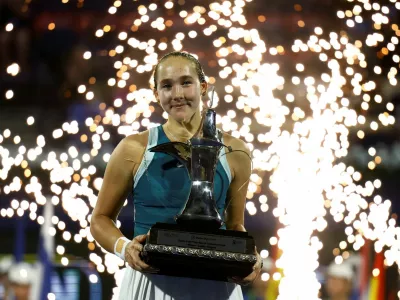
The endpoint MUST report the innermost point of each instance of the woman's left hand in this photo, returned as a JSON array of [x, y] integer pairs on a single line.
[[252, 276]]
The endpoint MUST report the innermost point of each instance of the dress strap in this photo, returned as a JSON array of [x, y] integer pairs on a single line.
[[223, 160], [148, 156]]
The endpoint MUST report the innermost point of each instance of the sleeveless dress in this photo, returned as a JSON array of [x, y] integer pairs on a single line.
[[161, 185]]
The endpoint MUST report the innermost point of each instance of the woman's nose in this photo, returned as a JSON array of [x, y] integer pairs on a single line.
[[177, 91]]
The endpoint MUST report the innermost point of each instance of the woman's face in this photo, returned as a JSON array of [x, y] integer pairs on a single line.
[[178, 88]]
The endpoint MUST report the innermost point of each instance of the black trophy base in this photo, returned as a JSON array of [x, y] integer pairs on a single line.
[[212, 255]]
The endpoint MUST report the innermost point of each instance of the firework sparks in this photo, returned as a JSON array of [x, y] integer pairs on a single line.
[[296, 137]]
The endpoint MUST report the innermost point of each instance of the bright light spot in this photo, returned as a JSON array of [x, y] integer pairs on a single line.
[[87, 55], [9, 94]]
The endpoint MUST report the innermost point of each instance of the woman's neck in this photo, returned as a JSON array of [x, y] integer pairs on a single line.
[[183, 130]]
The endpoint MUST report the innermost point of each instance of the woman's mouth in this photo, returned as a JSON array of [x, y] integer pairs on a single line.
[[178, 106]]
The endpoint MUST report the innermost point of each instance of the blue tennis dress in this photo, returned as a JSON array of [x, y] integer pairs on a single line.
[[161, 187]]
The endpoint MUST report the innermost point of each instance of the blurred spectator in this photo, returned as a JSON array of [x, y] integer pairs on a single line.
[[15, 41], [339, 281], [5, 265], [21, 276]]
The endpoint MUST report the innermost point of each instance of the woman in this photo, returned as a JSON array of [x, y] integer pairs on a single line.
[[160, 187]]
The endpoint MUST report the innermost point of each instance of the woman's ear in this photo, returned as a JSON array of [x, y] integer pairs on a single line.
[[156, 95], [204, 87]]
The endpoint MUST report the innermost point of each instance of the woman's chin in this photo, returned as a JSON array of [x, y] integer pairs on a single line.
[[181, 117]]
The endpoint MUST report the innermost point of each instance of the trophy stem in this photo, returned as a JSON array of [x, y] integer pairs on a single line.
[[200, 210]]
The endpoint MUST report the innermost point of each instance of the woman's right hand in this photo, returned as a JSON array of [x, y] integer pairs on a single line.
[[132, 255]]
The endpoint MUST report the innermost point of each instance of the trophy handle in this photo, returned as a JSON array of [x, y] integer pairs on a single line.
[[181, 151]]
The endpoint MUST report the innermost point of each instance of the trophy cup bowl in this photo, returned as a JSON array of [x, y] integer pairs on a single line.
[[196, 246]]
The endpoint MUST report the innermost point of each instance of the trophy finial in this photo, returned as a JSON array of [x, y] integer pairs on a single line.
[[212, 98], [207, 128]]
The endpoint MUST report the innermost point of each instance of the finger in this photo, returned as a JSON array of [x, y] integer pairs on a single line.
[[141, 238], [138, 247], [133, 264], [250, 278], [257, 265], [134, 246], [140, 262], [130, 259]]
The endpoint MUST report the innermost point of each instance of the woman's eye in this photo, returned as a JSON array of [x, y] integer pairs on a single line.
[[187, 82], [166, 86]]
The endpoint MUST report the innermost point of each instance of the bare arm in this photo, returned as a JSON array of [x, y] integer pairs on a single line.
[[234, 219], [241, 167], [117, 183]]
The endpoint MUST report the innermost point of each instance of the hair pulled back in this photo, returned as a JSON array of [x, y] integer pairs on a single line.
[[186, 55]]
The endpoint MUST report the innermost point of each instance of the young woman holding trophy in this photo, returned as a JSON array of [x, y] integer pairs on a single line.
[[160, 186]]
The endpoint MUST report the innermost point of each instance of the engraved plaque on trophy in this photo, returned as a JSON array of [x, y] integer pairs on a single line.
[[196, 246]]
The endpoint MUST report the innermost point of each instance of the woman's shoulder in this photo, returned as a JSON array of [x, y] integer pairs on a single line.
[[137, 139], [235, 143], [133, 146], [237, 155]]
